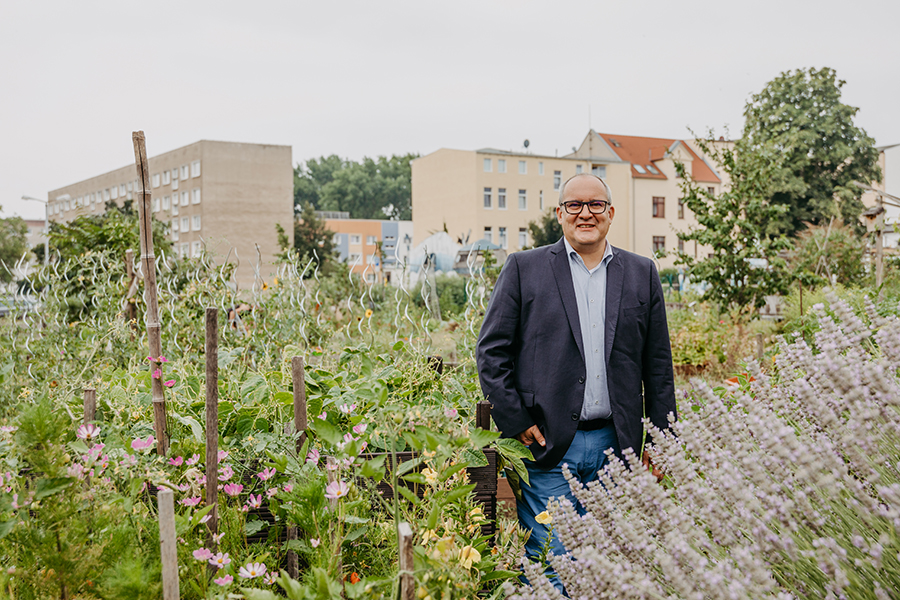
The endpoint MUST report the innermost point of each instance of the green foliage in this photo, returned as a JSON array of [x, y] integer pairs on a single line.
[[13, 244], [310, 236], [451, 290], [740, 224], [545, 231], [799, 116], [372, 189], [832, 253]]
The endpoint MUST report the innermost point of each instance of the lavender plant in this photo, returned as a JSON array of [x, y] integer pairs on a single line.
[[788, 488]]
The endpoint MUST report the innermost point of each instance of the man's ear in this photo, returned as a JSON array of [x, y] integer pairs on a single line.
[[559, 214], [612, 211]]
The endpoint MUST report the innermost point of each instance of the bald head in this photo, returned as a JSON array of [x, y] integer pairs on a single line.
[[562, 188]]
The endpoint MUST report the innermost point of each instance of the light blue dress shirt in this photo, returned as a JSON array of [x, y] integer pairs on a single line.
[[590, 294]]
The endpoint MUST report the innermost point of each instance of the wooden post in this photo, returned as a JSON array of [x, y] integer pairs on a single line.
[[760, 348], [168, 549], [298, 376], [212, 425], [293, 567], [148, 263], [407, 581], [90, 405], [483, 415]]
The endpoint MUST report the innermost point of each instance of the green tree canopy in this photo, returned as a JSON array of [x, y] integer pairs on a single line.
[[799, 115], [545, 231], [310, 234], [372, 189], [13, 244], [831, 253]]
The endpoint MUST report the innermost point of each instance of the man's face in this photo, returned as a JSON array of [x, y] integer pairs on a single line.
[[585, 231]]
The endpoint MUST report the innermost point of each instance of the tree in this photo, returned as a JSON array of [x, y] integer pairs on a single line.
[[799, 115], [372, 189], [546, 231], [309, 234], [831, 253], [740, 224], [13, 244]]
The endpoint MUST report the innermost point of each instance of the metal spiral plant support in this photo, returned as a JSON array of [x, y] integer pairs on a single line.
[[350, 296]]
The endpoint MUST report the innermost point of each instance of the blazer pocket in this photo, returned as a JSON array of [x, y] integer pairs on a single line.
[[527, 399], [635, 310]]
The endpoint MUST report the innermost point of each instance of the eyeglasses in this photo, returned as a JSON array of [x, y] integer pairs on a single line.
[[597, 207]]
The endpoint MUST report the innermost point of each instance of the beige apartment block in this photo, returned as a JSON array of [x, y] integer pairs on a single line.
[[224, 197], [494, 194]]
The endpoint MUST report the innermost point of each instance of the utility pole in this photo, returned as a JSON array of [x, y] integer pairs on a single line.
[[874, 221]]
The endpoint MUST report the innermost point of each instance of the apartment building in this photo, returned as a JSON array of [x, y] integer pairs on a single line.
[[494, 194], [224, 197], [357, 241]]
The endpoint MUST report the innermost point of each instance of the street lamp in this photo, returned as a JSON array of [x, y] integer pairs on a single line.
[[46, 204]]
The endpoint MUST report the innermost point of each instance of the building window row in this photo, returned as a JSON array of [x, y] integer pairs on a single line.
[[502, 240], [172, 177]]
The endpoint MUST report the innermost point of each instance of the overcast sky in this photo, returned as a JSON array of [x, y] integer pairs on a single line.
[[363, 78]]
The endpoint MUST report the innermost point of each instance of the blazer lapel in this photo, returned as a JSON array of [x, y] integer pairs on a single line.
[[563, 273], [615, 276]]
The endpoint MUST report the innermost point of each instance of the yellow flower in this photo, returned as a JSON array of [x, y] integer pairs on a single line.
[[275, 282], [368, 312], [431, 476], [422, 592], [428, 535], [469, 556], [544, 518]]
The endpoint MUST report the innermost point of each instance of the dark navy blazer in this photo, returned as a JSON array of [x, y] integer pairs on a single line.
[[531, 356]]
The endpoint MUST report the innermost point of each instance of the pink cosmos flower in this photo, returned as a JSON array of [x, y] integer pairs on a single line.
[[251, 570], [271, 492], [169, 383], [193, 460], [128, 460], [217, 537], [288, 488], [205, 518], [140, 444], [313, 456], [324, 415], [76, 470], [149, 359], [184, 487], [266, 474], [255, 501], [315, 542], [203, 554], [88, 432], [360, 429], [162, 359], [219, 560], [336, 489], [157, 373], [270, 577], [223, 454], [191, 501], [177, 461], [348, 437], [224, 580], [347, 408], [9, 429], [451, 413], [233, 489], [332, 466], [225, 473]]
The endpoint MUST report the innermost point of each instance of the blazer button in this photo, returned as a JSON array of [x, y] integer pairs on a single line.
[[581, 380], [574, 416]]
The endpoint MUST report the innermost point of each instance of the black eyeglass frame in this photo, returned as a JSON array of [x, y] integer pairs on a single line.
[[604, 204]]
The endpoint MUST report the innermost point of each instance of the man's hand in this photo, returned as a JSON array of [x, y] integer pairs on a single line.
[[645, 458], [531, 435]]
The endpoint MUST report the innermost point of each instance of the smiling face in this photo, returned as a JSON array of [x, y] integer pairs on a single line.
[[585, 231]]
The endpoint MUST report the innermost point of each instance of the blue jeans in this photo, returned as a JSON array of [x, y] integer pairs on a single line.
[[585, 457]]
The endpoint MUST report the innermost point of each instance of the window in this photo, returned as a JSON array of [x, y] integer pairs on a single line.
[[195, 168], [175, 233], [639, 168], [501, 237], [66, 205], [680, 245], [130, 186], [174, 205], [355, 238], [196, 223], [184, 171], [523, 200], [156, 205], [195, 195], [370, 240], [167, 203], [155, 180], [174, 184], [175, 174], [106, 194], [652, 169], [557, 180], [196, 249], [541, 198], [337, 238], [185, 198], [523, 238], [175, 225], [488, 235], [488, 166], [599, 170], [540, 168], [487, 197], [184, 249], [659, 243], [167, 177], [370, 259], [578, 169], [121, 189], [501, 198], [523, 167], [501, 165], [370, 277], [659, 207], [711, 190], [185, 224], [353, 259], [681, 208]]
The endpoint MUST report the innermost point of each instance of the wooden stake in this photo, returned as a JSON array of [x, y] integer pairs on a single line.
[[483, 415], [298, 376], [293, 567], [168, 549], [212, 425], [407, 581], [760, 348], [148, 263], [90, 405]]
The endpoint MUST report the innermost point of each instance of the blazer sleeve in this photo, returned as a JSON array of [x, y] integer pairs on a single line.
[[658, 374], [497, 350]]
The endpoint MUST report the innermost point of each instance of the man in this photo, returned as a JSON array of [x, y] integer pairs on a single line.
[[574, 351]]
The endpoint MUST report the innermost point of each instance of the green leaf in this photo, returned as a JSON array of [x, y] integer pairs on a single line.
[[326, 431], [519, 467], [482, 437], [51, 485], [460, 492], [398, 346], [253, 594], [78, 446], [409, 495], [499, 574], [254, 526], [356, 533], [254, 389], [195, 518], [513, 448], [354, 520], [373, 469], [475, 458], [415, 478], [409, 465], [6, 527], [434, 515], [450, 471], [191, 422]]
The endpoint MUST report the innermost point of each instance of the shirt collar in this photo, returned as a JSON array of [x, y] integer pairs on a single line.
[[607, 254]]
